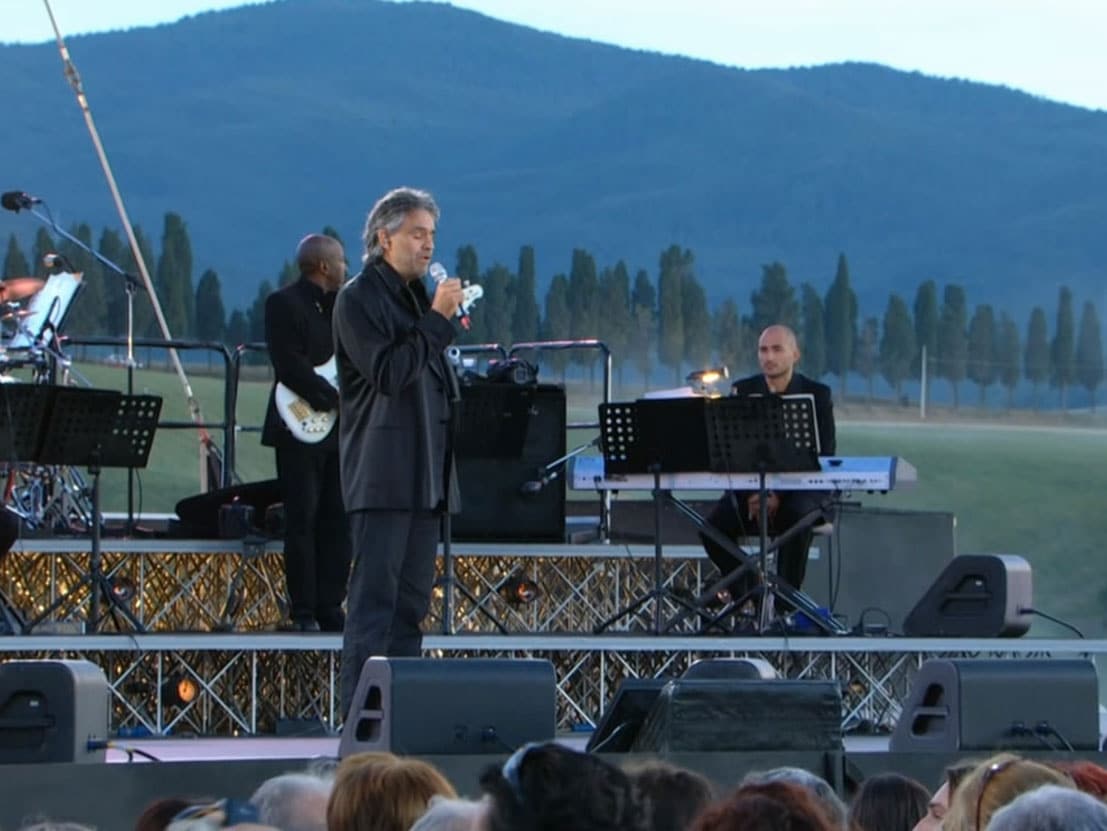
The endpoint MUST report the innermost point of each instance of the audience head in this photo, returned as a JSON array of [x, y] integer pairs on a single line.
[[830, 803], [672, 796], [158, 814], [938, 806], [1087, 776], [766, 806], [449, 814], [888, 802], [294, 801], [547, 787], [994, 783], [1051, 808], [382, 792]]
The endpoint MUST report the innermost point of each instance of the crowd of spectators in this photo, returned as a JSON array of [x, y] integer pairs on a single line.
[[552, 787]]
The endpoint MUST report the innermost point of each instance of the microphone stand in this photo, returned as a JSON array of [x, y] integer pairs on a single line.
[[131, 283], [550, 471]]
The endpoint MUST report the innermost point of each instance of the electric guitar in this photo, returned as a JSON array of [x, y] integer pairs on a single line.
[[311, 426], [306, 424]]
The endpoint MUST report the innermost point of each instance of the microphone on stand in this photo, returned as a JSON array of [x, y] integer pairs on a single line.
[[438, 273], [535, 486], [17, 200]]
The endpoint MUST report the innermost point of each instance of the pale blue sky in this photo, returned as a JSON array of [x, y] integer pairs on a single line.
[[1052, 48]]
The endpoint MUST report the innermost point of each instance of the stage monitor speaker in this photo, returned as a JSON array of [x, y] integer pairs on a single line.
[[199, 515], [50, 710], [878, 559], [623, 719], [739, 715], [975, 596], [436, 706], [508, 433], [960, 705]]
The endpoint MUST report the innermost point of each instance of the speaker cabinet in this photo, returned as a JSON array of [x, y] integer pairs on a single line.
[[450, 706], [49, 710], [508, 433], [623, 719], [879, 558], [975, 596], [988, 705], [739, 715]]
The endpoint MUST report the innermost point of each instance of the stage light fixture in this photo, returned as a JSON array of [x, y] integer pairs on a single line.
[[179, 691], [123, 588], [520, 590], [703, 381]]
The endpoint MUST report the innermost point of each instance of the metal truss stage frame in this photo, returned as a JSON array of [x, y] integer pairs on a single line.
[[210, 608]]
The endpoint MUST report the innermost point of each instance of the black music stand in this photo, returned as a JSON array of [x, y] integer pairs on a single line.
[[97, 429], [23, 411], [762, 434], [654, 437]]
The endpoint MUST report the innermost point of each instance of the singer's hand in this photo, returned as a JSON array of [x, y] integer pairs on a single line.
[[447, 297]]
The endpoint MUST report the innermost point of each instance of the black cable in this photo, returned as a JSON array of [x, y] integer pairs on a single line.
[[859, 629], [102, 744], [1029, 611], [1045, 728]]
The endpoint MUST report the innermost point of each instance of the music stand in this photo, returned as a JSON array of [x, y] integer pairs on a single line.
[[654, 437], [23, 411], [97, 429], [763, 434]]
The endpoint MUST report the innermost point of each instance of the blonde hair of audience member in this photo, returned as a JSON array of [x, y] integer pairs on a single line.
[[382, 792], [994, 783]]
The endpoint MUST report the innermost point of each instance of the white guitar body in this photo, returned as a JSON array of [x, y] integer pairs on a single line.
[[307, 425]]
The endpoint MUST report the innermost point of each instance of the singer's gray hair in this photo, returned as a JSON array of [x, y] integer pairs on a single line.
[[389, 213]]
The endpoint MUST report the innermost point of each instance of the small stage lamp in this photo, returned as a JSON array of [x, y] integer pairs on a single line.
[[519, 590], [704, 380], [179, 691]]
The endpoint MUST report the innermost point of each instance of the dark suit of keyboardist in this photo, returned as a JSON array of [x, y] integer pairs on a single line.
[[792, 556]]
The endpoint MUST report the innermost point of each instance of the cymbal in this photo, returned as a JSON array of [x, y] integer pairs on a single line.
[[16, 288]]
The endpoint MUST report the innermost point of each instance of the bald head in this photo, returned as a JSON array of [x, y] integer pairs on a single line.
[[322, 260], [777, 354]]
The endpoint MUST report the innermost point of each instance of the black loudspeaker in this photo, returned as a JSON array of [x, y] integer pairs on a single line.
[[50, 710], [975, 596], [624, 717], [738, 715], [200, 514], [507, 434], [999, 704], [878, 559], [450, 705]]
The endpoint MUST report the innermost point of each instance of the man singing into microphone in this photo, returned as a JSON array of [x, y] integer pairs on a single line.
[[737, 513], [397, 394]]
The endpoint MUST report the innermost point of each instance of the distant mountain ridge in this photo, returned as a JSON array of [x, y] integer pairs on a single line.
[[260, 123]]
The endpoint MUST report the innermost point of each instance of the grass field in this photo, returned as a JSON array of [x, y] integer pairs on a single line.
[[1040, 492]]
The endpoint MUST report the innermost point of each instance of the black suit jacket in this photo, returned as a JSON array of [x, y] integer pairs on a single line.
[[298, 334], [396, 398], [799, 385]]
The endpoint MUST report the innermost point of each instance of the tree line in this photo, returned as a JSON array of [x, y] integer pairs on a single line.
[[651, 325]]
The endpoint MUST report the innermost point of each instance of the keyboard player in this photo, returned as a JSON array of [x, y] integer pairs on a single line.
[[736, 513]]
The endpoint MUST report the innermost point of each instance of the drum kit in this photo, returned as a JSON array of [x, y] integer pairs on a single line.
[[46, 498]]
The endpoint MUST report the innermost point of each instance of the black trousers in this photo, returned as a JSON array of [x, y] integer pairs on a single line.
[[791, 558], [317, 538], [390, 588]]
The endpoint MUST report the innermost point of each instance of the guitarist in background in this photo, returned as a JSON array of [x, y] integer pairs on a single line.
[[316, 541]]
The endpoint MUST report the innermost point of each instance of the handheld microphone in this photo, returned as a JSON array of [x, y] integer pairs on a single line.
[[16, 200], [535, 486], [438, 273]]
